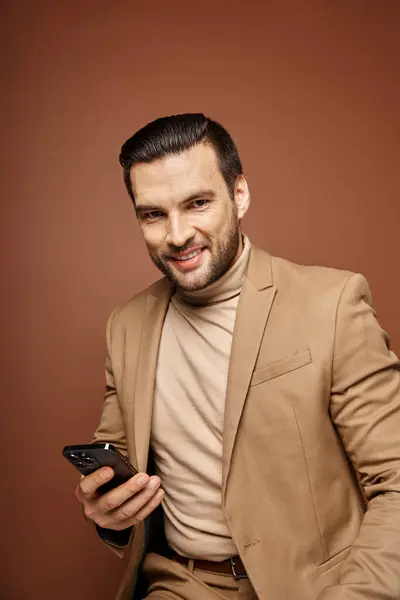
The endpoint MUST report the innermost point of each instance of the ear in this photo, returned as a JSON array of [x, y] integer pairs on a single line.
[[241, 196]]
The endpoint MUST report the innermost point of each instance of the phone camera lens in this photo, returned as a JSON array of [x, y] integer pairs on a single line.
[[73, 457], [81, 464], [87, 459]]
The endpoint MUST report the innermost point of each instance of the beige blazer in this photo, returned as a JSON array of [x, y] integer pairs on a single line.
[[311, 455]]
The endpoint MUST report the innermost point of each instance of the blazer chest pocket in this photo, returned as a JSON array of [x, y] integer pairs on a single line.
[[277, 369]]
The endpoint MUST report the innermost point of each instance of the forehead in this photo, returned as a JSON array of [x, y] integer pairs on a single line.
[[176, 177]]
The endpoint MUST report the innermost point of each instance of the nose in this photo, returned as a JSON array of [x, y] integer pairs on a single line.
[[179, 231]]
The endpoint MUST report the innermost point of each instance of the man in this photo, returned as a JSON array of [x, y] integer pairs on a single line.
[[258, 399]]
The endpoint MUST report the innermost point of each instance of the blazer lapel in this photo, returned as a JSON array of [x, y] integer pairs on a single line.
[[156, 308], [255, 303]]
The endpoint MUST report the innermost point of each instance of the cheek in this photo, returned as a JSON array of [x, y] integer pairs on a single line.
[[223, 224], [213, 223], [154, 236]]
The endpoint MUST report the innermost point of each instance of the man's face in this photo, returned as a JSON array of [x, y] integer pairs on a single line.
[[188, 219]]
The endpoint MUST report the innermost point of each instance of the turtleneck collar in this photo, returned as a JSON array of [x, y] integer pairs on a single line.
[[226, 287]]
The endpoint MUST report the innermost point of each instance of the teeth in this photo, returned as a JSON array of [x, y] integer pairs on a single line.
[[188, 256]]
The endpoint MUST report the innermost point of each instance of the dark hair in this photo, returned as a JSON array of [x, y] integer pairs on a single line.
[[174, 134]]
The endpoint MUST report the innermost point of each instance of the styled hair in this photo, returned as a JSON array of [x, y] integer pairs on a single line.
[[175, 134]]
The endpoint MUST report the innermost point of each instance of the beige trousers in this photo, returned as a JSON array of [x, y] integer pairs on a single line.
[[169, 580]]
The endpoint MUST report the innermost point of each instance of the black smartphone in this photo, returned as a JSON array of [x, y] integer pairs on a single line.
[[90, 457]]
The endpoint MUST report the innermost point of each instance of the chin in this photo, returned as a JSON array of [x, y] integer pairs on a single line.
[[191, 283], [189, 286]]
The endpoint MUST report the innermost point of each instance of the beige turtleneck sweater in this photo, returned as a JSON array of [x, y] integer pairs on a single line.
[[188, 414]]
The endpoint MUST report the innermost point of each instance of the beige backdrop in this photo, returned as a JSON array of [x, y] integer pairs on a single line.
[[310, 92]]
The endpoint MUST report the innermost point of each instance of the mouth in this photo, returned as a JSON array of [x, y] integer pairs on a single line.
[[190, 259]]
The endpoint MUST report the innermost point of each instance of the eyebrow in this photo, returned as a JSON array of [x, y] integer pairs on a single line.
[[142, 208]]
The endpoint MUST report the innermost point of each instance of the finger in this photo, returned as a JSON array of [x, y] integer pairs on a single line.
[[88, 485], [114, 498], [150, 506], [138, 501], [144, 512]]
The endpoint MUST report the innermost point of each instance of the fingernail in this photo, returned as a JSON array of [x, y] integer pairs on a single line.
[[143, 479]]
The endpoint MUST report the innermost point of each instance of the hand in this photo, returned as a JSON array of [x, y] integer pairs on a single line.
[[124, 506]]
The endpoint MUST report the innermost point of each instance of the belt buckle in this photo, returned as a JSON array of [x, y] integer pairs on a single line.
[[236, 576]]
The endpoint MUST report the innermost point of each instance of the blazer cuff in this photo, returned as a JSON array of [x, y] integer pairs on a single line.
[[119, 539]]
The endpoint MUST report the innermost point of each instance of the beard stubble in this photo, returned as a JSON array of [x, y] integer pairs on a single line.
[[223, 257]]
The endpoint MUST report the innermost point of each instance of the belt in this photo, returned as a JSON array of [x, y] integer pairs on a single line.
[[231, 566]]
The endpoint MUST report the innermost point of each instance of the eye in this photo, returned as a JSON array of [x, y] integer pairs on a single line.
[[153, 215], [201, 203]]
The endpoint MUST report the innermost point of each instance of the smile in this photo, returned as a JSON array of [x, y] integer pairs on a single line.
[[188, 256], [188, 261]]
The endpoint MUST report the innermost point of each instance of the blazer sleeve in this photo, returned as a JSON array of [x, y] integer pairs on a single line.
[[112, 429], [365, 407]]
